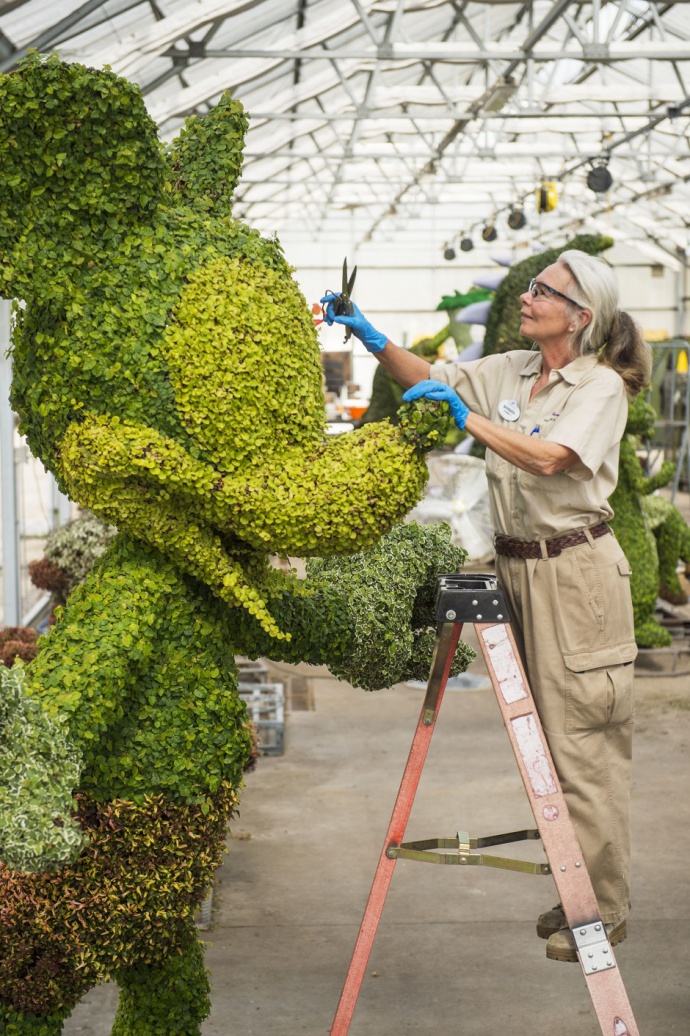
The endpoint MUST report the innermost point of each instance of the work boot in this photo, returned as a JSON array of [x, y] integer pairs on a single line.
[[551, 922], [561, 945]]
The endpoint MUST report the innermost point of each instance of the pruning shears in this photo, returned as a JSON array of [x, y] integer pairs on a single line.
[[342, 304]]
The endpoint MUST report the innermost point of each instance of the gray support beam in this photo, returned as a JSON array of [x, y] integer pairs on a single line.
[[8, 481], [463, 54], [45, 39]]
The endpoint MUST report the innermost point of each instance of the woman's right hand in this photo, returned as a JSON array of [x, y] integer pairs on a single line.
[[373, 340]]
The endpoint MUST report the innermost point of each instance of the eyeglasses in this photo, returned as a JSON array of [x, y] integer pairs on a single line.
[[535, 285]]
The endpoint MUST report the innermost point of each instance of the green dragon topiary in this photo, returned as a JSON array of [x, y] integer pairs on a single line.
[[166, 370]]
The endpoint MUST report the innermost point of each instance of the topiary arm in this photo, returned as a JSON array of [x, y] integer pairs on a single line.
[[661, 479], [335, 498], [631, 470], [149, 487], [370, 616]]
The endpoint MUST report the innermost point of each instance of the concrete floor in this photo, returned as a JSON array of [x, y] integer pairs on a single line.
[[456, 951]]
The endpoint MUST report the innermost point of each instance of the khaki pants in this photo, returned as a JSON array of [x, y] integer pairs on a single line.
[[573, 623]]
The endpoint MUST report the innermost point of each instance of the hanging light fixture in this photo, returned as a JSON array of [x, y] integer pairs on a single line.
[[516, 218], [466, 244], [599, 178], [489, 233], [547, 196], [448, 252]]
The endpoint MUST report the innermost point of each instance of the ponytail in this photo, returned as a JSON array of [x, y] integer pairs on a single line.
[[626, 351]]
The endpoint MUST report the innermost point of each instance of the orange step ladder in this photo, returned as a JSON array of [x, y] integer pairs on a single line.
[[476, 598]]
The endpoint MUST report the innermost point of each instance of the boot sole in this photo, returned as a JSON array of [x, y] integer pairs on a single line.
[[545, 932], [570, 956]]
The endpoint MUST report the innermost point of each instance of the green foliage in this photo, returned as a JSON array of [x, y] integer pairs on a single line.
[[672, 534], [206, 158], [138, 667], [160, 1000], [631, 529], [95, 167], [39, 767], [461, 299], [128, 902], [425, 423], [503, 326], [394, 585], [226, 316], [367, 615], [19, 1023], [166, 369]]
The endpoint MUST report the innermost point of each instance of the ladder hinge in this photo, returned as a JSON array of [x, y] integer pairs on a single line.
[[593, 946]]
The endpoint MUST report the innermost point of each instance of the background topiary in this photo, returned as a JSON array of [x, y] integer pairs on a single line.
[[672, 535], [632, 529], [167, 371], [17, 642], [69, 555]]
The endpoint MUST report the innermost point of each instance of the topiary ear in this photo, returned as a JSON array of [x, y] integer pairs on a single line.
[[206, 158], [81, 164]]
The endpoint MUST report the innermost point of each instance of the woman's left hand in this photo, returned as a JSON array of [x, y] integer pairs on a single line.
[[432, 389]]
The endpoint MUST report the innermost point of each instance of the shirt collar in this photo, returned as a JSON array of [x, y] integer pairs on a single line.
[[573, 372]]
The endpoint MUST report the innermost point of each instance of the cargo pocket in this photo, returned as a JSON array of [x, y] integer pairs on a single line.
[[624, 567], [599, 687]]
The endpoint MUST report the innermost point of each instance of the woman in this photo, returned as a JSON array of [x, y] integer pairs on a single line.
[[552, 420]]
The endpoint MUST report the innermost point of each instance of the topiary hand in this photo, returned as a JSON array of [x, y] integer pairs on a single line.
[[432, 389]]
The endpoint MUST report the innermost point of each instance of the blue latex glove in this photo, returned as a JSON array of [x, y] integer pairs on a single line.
[[432, 389], [374, 340]]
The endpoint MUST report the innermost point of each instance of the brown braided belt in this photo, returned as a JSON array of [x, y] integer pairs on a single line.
[[515, 548]]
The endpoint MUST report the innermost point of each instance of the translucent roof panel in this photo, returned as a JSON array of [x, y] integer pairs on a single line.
[[418, 120]]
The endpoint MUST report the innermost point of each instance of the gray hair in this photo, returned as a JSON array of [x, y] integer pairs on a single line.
[[611, 333]]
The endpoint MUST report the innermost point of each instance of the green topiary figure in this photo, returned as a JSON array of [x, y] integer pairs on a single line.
[[166, 370], [672, 534], [503, 325], [631, 528]]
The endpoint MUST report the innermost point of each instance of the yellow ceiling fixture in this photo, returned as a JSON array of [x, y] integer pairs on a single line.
[[547, 196]]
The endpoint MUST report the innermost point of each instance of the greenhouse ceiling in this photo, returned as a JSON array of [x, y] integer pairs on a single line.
[[415, 122]]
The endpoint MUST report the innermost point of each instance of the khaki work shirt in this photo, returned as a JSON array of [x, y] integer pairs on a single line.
[[584, 406]]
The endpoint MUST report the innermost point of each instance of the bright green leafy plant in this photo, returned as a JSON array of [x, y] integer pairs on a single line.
[[167, 371]]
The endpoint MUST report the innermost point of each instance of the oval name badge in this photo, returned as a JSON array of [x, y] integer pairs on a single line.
[[509, 409]]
